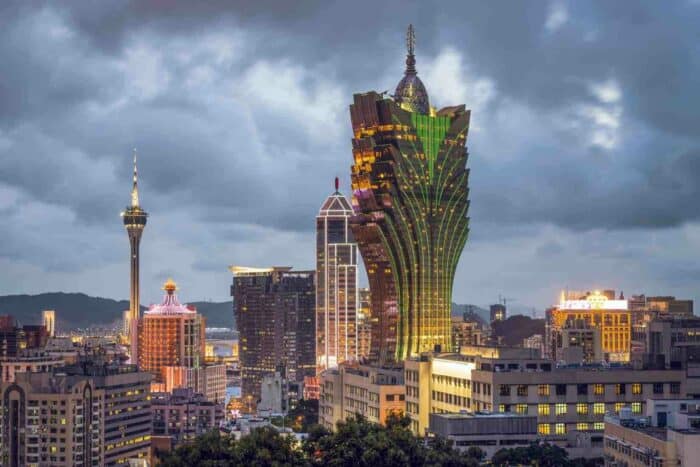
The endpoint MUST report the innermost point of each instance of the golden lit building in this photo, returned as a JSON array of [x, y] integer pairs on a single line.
[[589, 314], [170, 335], [49, 320]]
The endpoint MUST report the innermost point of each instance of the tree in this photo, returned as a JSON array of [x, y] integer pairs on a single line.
[[542, 455]]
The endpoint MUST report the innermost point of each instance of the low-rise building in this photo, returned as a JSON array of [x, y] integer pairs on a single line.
[[640, 441], [487, 431], [373, 392], [28, 361], [183, 415]]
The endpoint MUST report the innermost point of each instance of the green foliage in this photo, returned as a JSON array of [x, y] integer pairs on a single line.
[[541, 455], [356, 443]]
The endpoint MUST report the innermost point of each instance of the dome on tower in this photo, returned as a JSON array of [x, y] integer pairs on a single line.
[[410, 93]]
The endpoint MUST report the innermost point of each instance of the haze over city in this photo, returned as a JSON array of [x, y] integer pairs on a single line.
[[583, 142]]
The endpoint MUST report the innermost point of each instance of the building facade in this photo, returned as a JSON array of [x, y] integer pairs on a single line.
[[171, 335], [49, 319], [28, 361], [134, 218], [516, 380], [337, 296], [409, 181], [183, 415], [275, 312], [351, 389]]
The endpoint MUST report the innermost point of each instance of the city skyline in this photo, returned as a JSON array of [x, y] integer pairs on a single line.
[[583, 174]]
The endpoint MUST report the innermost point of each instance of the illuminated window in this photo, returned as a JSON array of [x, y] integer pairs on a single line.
[[560, 409], [599, 426], [636, 388], [620, 389], [581, 408], [543, 428], [599, 408], [636, 407], [542, 409], [543, 390], [560, 429], [619, 406], [502, 408], [521, 409], [598, 389], [582, 426]]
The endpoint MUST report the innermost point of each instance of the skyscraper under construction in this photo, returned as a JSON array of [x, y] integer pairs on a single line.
[[410, 190]]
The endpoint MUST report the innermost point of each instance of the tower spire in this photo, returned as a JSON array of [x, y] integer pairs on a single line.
[[410, 47], [135, 189]]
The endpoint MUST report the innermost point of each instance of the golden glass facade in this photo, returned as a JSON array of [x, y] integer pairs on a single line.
[[409, 181]]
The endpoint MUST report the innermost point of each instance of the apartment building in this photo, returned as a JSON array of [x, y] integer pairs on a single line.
[[183, 415], [373, 392], [564, 399]]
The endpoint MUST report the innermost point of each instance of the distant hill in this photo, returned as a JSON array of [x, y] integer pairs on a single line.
[[77, 310], [482, 314], [516, 328]]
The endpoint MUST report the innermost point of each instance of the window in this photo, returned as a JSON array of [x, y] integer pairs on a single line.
[[522, 390], [560, 409], [501, 408], [637, 388], [620, 389], [675, 388], [390, 397], [561, 389], [543, 390], [599, 426], [599, 408], [582, 426], [658, 388], [598, 389], [560, 429], [581, 408], [619, 406], [504, 390], [542, 409], [582, 389], [543, 429], [636, 407], [521, 409]]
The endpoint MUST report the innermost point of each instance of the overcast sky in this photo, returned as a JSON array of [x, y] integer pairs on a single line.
[[584, 146]]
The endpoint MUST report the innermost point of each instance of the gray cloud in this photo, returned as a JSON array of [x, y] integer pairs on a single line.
[[582, 124]]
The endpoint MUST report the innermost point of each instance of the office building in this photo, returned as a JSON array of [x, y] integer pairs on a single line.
[[597, 323], [364, 324], [337, 295], [126, 417], [640, 441], [409, 181], [672, 342], [183, 414], [275, 311], [516, 380], [49, 320], [487, 431], [351, 389], [170, 335], [134, 218]]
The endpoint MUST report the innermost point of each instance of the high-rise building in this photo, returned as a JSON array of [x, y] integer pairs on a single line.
[[134, 220], [497, 312], [49, 319], [183, 415], [409, 181], [364, 324], [170, 335], [275, 312], [336, 284]]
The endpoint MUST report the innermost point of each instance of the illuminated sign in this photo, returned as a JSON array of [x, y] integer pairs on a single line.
[[593, 303]]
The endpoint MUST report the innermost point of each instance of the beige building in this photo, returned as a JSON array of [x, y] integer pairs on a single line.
[[350, 389], [651, 440], [510, 380], [29, 361]]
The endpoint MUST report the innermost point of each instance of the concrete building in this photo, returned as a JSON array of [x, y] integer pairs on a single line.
[[508, 380], [28, 361], [640, 441], [465, 333], [274, 394], [209, 380], [487, 431], [126, 417], [672, 342], [350, 389], [497, 312], [51, 420], [535, 341], [183, 415]]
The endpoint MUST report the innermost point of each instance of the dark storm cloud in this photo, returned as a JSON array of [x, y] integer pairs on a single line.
[[585, 116]]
